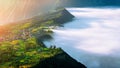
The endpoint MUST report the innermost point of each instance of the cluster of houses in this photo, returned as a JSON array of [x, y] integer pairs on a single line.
[[24, 34]]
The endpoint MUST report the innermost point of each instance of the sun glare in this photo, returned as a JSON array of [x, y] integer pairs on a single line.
[[14, 10]]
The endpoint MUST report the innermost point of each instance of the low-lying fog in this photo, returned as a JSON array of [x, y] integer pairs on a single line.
[[92, 38]]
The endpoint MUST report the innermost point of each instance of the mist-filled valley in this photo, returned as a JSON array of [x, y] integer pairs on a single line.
[[92, 37], [59, 34]]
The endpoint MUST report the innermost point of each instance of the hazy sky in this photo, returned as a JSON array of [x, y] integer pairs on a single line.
[[79, 3], [13, 10]]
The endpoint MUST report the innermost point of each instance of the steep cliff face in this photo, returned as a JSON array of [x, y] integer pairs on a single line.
[[62, 60]]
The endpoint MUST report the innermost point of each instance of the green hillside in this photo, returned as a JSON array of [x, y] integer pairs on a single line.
[[21, 43]]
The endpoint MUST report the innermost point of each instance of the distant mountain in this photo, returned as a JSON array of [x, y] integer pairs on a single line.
[[79, 3]]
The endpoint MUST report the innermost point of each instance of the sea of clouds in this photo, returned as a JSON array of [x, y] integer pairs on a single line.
[[93, 37]]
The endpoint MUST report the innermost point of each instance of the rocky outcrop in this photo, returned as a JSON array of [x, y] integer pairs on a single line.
[[64, 17]]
